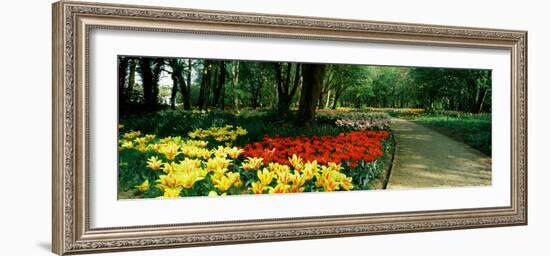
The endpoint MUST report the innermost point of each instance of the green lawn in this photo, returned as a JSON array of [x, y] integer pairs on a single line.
[[472, 129]]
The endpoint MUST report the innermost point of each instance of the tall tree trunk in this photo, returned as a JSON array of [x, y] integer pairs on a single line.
[[178, 67], [288, 74], [302, 100], [131, 80], [481, 100], [186, 94], [322, 100], [257, 91], [286, 91], [328, 97], [281, 93], [327, 81], [187, 98], [176, 81], [358, 103], [221, 87], [235, 75], [297, 81], [311, 89], [122, 72], [159, 63], [148, 83], [205, 85], [219, 90], [175, 85], [336, 97]]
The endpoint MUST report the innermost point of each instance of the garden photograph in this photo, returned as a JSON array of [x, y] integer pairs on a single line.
[[211, 127]]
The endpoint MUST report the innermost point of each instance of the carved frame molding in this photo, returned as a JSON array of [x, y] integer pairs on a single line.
[[72, 22]]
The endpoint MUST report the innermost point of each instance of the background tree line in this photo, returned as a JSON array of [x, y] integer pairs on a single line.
[[284, 86]]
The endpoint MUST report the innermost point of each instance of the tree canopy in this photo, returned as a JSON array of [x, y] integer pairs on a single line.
[[286, 86]]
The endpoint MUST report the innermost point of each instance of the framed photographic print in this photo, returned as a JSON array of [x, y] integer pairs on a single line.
[[178, 127]]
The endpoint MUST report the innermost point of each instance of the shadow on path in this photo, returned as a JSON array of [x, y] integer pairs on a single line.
[[426, 158]]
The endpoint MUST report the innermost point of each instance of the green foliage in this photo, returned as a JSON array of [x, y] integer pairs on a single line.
[[379, 87], [131, 174], [466, 90], [253, 84]]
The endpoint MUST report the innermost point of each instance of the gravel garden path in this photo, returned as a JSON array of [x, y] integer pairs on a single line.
[[425, 158]]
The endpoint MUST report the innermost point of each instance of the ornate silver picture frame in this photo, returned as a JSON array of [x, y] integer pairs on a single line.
[[72, 24]]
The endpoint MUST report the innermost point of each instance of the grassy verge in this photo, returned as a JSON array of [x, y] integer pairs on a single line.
[[472, 129]]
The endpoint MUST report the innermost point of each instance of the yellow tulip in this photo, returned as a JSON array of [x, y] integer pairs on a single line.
[[297, 180], [141, 141], [154, 163], [200, 143], [187, 180], [284, 177], [150, 137], [126, 145], [154, 147], [226, 134], [296, 162], [204, 153], [294, 189], [142, 148], [194, 151], [190, 163], [240, 131], [346, 183], [310, 169], [144, 186], [223, 183], [172, 192], [257, 187], [235, 177], [201, 173], [334, 167], [217, 163], [276, 167], [330, 185], [167, 181], [234, 152], [218, 173], [265, 176], [168, 167], [279, 189], [252, 163], [328, 179], [170, 150], [131, 135], [220, 152]]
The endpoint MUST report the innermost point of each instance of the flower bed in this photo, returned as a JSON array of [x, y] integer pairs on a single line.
[[349, 148], [178, 167], [356, 120], [227, 160]]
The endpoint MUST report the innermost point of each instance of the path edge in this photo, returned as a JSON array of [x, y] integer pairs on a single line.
[[393, 157]]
